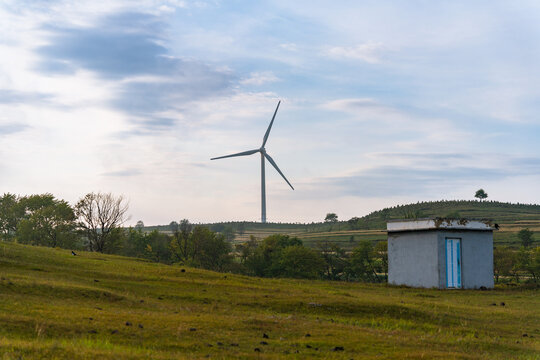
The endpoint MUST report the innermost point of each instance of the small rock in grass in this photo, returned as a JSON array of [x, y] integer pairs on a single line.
[[99, 308], [525, 335], [308, 346], [220, 343], [308, 335], [234, 344], [296, 351], [209, 345], [96, 280], [192, 329], [183, 270], [90, 318], [141, 326], [225, 276], [493, 304], [483, 288], [265, 336], [263, 343], [257, 350], [160, 297], [503, 304], [338, 348], [316, 349], [114, 331], [141, 301], [128, 323], [92, 331]]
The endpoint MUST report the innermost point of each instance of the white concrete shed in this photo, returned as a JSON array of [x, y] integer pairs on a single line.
[[441, 253]]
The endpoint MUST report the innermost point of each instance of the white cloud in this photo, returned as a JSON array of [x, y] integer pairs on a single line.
[[260, 78], [368, 52]]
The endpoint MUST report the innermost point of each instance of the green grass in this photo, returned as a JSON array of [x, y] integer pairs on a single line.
[[57, 306]]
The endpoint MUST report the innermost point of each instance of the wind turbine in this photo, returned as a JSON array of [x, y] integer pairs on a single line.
[[264, 155]]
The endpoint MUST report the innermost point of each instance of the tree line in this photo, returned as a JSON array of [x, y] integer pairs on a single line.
[[95, 223]]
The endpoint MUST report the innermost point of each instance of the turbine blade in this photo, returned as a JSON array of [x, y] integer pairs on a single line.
[[270, 126], [276, 167], [245, 153]]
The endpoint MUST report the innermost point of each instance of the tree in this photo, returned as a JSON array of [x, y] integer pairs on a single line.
[[504, 260], [381, 254], [335, 259], [266, 259], [174, 227], [210, 250], [157, 246], [183, 241], [331, 218], [49, 222], [481, 194], [526, 237], [99, 216], [11, 212], [362, 263], [353, 222], [300, 262], [139, 225]]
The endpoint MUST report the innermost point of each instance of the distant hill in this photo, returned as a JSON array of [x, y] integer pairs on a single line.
[[511, 218]]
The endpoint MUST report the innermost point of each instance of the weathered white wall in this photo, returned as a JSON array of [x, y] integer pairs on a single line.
[[413, 259]]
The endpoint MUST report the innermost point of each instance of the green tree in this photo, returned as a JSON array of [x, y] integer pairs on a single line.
[[335, 260], [49, 222], [526, 237], [135, 243], [381, 255], [331, 218], [181, 243], [504, 261], [157, 246], [363, 263], [266, 259], [11, 212], [139, 225], [210, 250], [353, 222], [481, 194], [300, 262]]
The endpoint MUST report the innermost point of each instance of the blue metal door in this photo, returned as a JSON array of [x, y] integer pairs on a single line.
[[453, 263]]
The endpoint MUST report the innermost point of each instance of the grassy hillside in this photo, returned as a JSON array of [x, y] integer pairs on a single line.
[[510, 217], [57, 306]]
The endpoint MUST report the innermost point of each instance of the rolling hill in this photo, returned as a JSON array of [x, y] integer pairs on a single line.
[[510, 217], [54, 305]]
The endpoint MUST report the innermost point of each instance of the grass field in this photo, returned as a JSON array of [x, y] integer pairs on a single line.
[[57, 306]]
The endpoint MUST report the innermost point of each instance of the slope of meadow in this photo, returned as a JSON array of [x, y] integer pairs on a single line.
[[57, 306]]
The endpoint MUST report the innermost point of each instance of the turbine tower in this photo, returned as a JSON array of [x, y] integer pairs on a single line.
[[264, 155]]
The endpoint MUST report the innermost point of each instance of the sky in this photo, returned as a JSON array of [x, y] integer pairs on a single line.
[[382, 103]]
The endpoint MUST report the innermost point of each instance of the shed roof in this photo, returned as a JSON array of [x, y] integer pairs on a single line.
[[440, 224]]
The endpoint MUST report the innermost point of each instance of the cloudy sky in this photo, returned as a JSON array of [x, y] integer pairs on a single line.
[[383, 103]]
